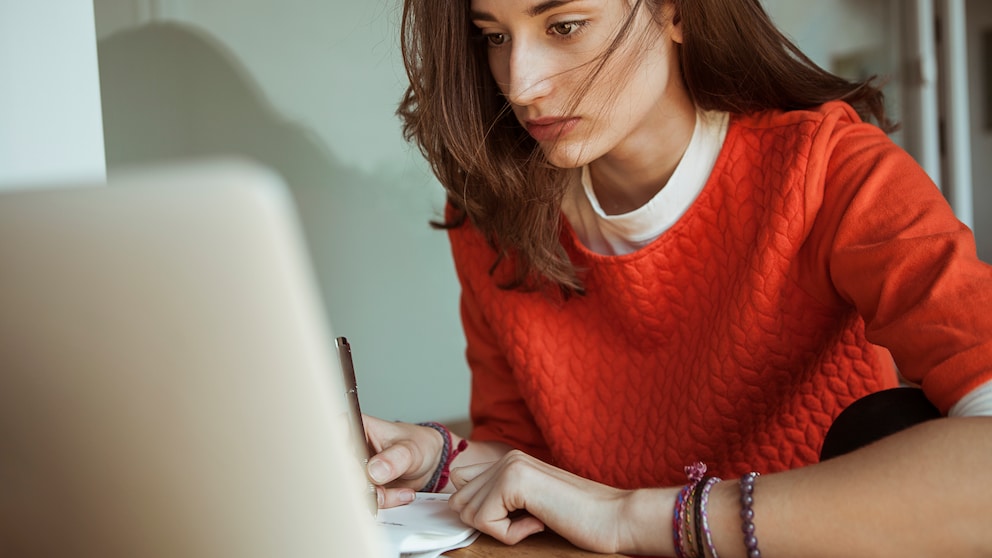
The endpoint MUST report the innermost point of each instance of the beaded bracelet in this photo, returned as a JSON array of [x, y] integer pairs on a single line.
[[439, 479], [747, 515]]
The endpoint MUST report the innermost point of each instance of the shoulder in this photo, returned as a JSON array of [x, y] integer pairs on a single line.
[[822, 129], [831, 114], [816, 139]]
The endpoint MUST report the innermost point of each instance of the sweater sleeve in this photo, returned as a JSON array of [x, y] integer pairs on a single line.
[[893, 248], [498, 410]]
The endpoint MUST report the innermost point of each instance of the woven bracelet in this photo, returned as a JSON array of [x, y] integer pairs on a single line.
[[431, 485], [685, 538], [439, 479], [446, 470], [678, 518]]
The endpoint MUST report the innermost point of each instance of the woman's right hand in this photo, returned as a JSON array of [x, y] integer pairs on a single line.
[[405, 458]]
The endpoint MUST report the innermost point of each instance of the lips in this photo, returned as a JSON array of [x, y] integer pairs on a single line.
[[550, 128]]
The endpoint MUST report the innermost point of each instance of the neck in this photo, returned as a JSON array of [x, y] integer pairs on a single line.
[[628, 177]]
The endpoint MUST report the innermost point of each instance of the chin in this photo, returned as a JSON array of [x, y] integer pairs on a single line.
[[567, 156]]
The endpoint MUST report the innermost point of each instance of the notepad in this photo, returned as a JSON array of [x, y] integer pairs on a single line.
[[425, 528]]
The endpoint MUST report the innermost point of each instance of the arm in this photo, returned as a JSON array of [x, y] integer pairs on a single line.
[[892, 247], [884, 240], [921, 492]]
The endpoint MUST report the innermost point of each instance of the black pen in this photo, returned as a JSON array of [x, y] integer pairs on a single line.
[[359, 439]]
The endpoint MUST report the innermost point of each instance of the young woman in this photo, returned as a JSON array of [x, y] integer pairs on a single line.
[[679, 242]]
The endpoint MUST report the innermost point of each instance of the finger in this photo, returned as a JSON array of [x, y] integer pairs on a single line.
[[460, 476], [490, 514], [521, 528], [391, 463], [472, 489], [392, 497]]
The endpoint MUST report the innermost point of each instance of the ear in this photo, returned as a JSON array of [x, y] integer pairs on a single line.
[[676, 31], [671, 13]]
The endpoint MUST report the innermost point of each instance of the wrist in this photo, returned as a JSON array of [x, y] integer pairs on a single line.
[[432, 448], [726, 521], [641, 514], [451, 446]]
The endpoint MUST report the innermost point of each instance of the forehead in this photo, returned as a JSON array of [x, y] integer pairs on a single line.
[[531, 8], [535, 8]]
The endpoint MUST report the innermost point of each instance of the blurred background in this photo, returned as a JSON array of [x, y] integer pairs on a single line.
[[310, 89]]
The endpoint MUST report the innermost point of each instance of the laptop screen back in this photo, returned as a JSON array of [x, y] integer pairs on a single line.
[[168, 385]]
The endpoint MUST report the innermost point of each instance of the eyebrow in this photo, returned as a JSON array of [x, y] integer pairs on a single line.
[[533, 11]]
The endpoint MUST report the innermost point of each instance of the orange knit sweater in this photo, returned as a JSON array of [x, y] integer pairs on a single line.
[[737, 336]]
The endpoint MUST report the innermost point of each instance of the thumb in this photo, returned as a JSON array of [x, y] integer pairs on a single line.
[[378, 432], [391, 463]]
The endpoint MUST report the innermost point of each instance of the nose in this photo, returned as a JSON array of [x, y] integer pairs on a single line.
[[531, 75]]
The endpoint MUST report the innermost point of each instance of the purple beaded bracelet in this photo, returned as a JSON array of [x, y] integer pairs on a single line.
[[747, 515]]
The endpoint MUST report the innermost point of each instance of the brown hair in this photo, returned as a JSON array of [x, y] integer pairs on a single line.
[[732, 59]]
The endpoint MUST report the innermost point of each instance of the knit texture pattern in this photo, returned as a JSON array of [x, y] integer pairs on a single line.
[[737, 336]]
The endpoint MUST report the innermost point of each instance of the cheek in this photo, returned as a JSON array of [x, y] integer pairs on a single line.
[[500, 70]]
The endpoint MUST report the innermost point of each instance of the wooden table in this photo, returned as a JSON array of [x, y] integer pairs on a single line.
[[541, 545]]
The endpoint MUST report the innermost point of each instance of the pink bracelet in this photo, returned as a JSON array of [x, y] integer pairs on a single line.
[[678, 519], [446, 470], [704, 498], [684, 539]]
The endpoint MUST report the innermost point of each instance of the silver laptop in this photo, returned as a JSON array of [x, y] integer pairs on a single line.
[[168, 385]]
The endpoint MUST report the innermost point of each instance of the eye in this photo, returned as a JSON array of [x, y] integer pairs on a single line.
[[496, 39], [566, 28]]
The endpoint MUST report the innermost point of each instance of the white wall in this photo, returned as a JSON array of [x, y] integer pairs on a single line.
[[309, 88], [855, 38], [50, 123], [840, 30], [864, 26]]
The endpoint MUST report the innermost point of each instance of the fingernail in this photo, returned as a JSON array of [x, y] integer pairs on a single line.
[[379, 472], [406, 496], [380, 497]]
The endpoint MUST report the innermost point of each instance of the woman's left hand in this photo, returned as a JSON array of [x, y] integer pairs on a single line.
[[519, 495]]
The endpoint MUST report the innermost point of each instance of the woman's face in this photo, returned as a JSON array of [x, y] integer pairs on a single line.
[[542, 54]]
